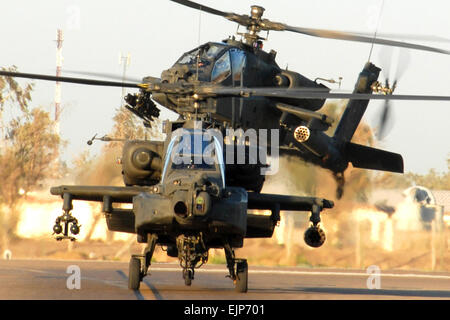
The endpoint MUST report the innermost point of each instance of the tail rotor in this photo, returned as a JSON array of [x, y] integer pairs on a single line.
[[385, 116]]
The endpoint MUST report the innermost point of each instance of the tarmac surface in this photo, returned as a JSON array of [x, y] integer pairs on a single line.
[[108, 280]]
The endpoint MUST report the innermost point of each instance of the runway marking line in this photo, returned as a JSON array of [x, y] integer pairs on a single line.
[[315, 273], [269, 271]]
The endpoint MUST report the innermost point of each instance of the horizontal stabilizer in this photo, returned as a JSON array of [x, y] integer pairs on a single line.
[[370, 158]]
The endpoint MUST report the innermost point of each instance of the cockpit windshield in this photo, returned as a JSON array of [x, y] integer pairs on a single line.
[[191, 152], [208, 52], [192, 149]]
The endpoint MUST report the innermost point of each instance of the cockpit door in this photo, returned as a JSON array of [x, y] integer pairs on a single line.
[[237, 66], [238, 60], [221, 72]]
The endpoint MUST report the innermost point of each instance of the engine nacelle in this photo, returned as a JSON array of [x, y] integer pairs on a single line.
[[290, 79], [141, 162]]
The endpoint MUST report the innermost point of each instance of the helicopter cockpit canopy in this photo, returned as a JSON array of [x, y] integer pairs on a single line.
[[215, 62], [194, 150], [205, 53]]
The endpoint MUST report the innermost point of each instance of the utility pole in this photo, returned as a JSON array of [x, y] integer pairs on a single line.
[[59, 60]]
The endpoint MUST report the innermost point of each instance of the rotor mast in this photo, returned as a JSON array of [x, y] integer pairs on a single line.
[[254, 28]]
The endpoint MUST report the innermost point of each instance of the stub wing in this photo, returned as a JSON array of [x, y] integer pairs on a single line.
[[123, 220], [261, 201], [262, 226], [99, 193], [264, 201]]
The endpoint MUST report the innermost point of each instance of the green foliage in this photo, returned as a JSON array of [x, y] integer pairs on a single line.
[[12, 93], [431, 180], [28, 150], [103, 169], [217, 259], [128, 126]]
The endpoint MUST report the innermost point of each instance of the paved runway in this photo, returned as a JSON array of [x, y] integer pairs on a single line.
[[101, 280]]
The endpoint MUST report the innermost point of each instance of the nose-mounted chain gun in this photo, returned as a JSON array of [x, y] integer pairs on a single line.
[[66, 222]]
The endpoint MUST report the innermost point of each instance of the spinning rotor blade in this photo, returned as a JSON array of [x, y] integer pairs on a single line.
[[201, 7], [307, 93], [220, 91], [241, 19], [339, 35], [104, 75], [413, 37], [403, 59], [69, 79], [255, 23], [386, 115]]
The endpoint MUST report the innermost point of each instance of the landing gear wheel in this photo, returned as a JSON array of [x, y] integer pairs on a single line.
[[139, 263], [188, 275], [134, 273], [241, 282], [238, 269]]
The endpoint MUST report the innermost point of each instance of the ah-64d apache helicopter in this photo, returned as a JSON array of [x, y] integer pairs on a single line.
[[196, 205]]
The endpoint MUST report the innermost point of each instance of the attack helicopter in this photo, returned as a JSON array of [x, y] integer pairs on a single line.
[[239, 85], [233, 84], [182, 201]]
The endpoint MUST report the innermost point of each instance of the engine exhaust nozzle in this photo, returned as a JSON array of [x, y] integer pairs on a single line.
[[314, 237]]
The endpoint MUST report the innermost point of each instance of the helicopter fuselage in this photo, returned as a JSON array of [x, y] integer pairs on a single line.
[[235, 64]]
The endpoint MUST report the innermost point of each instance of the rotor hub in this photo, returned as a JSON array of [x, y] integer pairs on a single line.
[[257, 12]]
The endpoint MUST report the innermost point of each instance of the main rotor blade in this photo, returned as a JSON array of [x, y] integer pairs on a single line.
[[201, 7], [266, 24], [111, 76], [69, 79], [401, 37], [339, 35], [241, 19], [311, 94]]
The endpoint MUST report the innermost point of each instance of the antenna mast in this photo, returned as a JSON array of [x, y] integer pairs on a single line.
[[125, 61], [59, 60]]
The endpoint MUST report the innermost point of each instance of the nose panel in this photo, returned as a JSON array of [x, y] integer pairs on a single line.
[[176, 73]]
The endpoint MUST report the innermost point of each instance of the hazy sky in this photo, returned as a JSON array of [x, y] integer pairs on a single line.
[[157, 32]]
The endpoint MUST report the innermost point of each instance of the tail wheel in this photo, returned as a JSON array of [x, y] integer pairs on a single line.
[[134, 273], [241, 281]]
